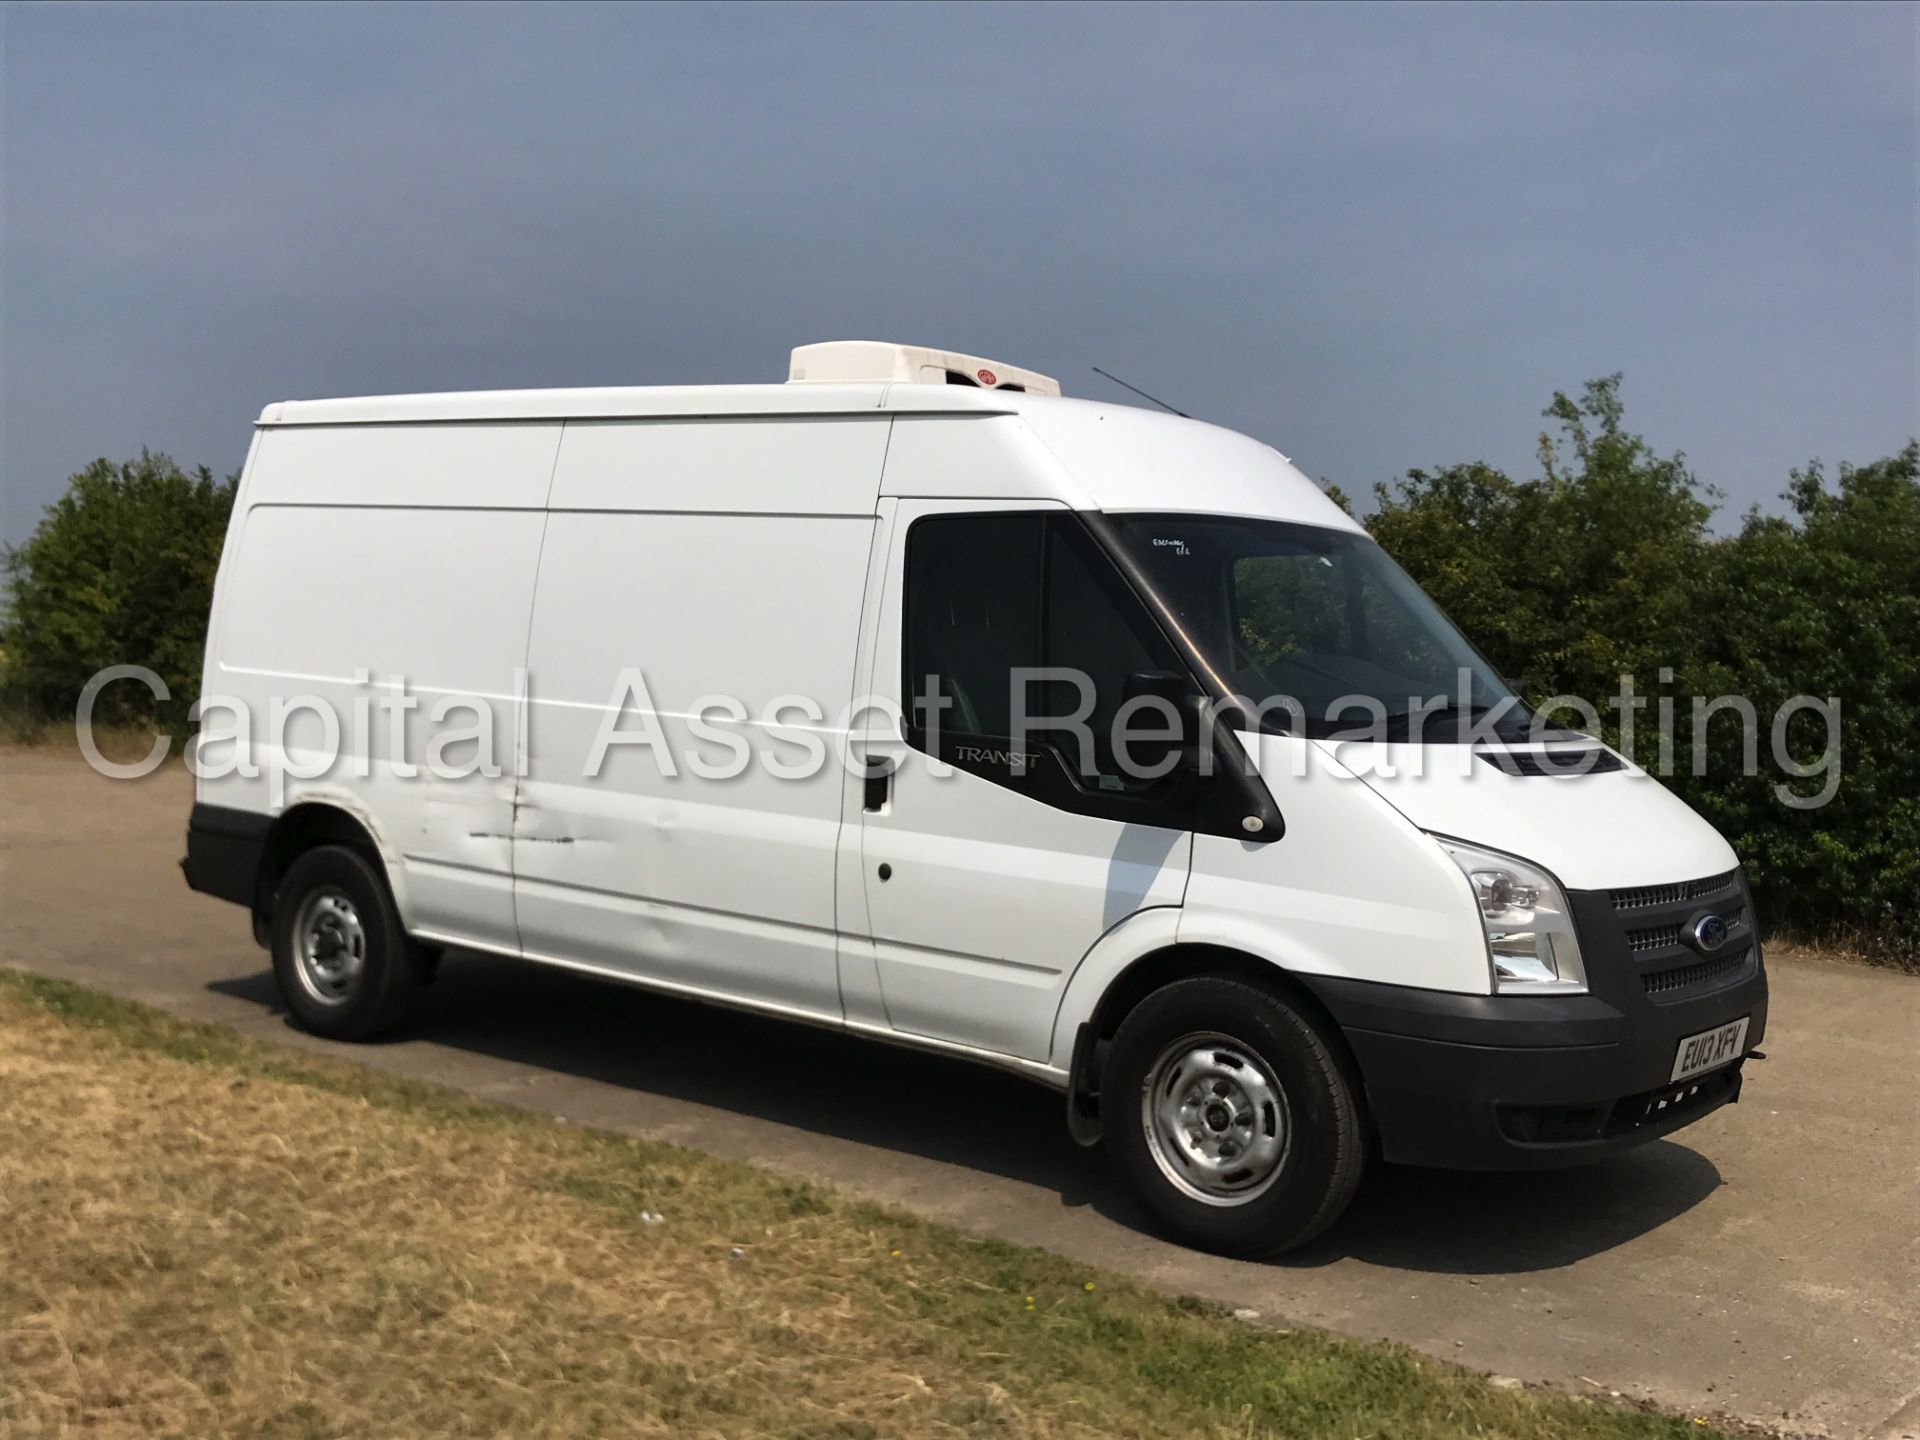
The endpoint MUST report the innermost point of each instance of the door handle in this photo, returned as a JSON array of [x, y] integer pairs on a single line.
[[878, 783]]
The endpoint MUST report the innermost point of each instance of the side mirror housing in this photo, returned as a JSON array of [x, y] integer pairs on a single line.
[[1177, 691]]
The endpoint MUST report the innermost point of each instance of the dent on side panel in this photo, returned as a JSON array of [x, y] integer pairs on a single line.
[[431, 536], [687, 566]]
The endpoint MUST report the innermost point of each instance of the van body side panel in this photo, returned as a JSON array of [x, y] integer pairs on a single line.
[[229, 555], [385, 574], [1350, 890], [684, 861], [805, 465], [969, 455], [475, 466], [861, 998]]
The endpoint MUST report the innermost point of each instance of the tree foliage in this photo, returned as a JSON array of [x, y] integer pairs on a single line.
[[1604, 564], [120, 571]]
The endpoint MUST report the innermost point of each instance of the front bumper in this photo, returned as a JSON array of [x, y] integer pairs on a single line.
[[1500, 1082]]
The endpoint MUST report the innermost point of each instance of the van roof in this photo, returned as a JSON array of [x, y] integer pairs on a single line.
[[1104, 455], [641, 401]]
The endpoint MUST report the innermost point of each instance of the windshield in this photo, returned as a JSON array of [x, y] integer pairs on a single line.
[[1292, 615]]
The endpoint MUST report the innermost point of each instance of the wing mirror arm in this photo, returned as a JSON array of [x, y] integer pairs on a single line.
[[1238, 804]]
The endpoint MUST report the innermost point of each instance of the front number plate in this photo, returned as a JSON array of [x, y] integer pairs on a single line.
[[1710, 1049]]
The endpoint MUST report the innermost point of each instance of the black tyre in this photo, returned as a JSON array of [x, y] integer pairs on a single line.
[[346, 968], [1228, 1114]]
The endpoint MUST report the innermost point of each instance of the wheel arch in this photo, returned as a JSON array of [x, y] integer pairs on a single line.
[[1147, 960], [313, 821]]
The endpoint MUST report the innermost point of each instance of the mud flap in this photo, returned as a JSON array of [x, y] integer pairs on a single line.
[[1083, 1087]]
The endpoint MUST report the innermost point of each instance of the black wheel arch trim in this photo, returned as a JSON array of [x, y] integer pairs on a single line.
[[239, 855]]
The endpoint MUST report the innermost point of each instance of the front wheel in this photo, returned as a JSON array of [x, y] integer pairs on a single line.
[[1229, 1116]]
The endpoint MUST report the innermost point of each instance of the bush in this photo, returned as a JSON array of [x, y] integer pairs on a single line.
[[1827, 602], [120, 571], [1604, 564]]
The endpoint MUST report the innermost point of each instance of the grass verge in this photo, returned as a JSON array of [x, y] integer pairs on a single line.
[[31, 730], [203, 1235]]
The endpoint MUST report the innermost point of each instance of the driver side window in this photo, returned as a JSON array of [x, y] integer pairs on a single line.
[[987, 595], [973, 592]]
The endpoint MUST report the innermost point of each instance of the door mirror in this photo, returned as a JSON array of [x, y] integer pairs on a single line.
[[1151, 750]]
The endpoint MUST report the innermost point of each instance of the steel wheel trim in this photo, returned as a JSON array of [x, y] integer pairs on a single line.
[[329, 946], [1216, 1119]]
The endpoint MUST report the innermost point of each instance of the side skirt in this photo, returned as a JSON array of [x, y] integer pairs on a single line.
[[1038, 1071]]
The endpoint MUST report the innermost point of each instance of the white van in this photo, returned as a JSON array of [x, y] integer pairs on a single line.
[[802, 698]]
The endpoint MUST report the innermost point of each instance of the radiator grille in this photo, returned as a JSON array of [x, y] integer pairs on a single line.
[[1691, 977], [1658, 937], [1646, 897], [1667, 937]]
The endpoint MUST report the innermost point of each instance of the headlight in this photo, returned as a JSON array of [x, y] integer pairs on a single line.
[[1529, 927]]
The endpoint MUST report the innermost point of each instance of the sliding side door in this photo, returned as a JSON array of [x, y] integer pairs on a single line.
[[699, 599]]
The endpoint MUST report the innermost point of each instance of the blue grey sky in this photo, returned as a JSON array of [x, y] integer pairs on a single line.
[[1375, 236]]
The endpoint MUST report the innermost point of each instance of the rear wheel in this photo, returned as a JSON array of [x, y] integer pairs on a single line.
[[345, 967], [1228, 1114]]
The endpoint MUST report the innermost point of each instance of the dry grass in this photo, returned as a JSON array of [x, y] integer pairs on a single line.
[[1885, 950], [122, 744], [201, 1235]]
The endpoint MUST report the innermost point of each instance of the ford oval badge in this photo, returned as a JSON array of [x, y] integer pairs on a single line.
[[1709, 934]]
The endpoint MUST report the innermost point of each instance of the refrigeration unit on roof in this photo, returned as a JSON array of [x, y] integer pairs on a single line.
[[846, 361]]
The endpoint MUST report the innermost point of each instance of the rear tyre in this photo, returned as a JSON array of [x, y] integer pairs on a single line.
[[345, 967], [1228, 1114]]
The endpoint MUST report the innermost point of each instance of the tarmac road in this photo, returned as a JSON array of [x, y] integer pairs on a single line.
[[1763, 1265]]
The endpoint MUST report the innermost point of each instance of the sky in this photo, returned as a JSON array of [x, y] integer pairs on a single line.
[[1375, 237]]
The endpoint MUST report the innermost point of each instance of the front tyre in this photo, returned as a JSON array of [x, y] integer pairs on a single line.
[[1229, 1116], [345, 967]]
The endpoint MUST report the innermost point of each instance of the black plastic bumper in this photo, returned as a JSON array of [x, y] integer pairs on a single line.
[[1502, 1082], [223, 852]]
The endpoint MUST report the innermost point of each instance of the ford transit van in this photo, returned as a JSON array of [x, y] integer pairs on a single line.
[[913, 699]]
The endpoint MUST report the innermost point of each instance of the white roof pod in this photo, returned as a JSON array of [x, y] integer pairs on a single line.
[[853, 360]]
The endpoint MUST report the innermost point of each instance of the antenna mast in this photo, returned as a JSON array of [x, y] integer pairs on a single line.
[[1141, 393]]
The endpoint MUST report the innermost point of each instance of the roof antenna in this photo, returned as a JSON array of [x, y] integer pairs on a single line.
[[1141, 393]]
